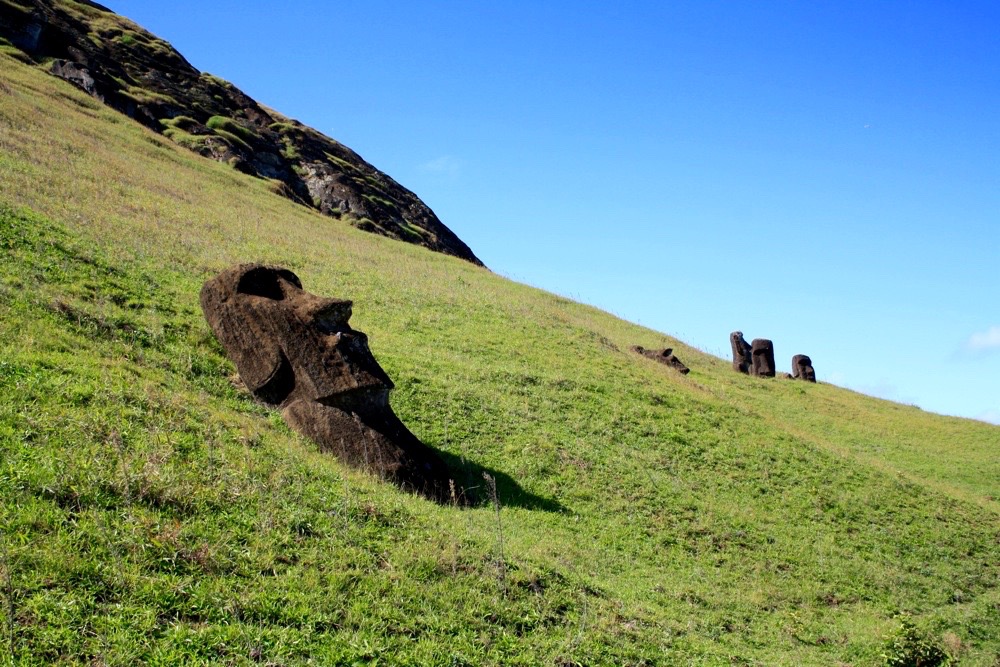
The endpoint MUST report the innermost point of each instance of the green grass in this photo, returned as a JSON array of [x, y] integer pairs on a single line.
[[229, 127], [144, 96], [150, 513]]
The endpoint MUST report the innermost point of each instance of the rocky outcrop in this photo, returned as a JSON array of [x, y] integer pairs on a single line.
[[133, 71], [665, 356], [296, 351]]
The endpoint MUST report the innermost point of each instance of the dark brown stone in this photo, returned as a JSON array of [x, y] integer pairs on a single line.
[[802, 368], [762, 351], [742, 361], [296, 351], [665, 356]]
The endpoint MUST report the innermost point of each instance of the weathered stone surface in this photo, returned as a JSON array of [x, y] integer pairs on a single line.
[[742, 361], [296, 351], [802, 368], [665, 356], [762, 351]]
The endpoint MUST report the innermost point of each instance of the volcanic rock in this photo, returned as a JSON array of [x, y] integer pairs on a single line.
[[144, 77]]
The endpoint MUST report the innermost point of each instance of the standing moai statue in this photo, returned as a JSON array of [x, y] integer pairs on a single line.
[[295, 351], [762, 351], [802, 368], [741, 352]]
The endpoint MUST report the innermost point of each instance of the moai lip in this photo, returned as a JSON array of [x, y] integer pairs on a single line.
[[296, 351]]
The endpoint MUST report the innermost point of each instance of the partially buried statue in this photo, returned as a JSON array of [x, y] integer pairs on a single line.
[[665, 356], [802, 368], [296, 351], [742, 361], [762, 352]]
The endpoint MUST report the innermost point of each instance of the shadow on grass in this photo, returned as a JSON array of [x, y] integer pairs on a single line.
[[469, 476]]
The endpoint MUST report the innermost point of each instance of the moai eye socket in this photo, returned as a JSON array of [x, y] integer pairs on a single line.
[[266, 282]]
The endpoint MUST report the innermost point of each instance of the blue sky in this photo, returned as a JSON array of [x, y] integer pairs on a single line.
[[823, 174]]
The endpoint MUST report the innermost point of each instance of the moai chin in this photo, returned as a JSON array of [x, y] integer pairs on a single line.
[[296, 351], [802, 368], [742, 361], [762, 351], [665, 356]]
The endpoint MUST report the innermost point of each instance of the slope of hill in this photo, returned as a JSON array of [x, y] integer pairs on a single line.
[[119, 63], [151, 513]]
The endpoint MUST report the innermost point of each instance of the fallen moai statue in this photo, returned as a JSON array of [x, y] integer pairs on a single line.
[[296, 351], [802, 368], [762, 351], [742, 361], [665, 356]]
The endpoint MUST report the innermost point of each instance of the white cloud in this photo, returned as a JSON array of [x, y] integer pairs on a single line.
[[984, 341], [446, 164]]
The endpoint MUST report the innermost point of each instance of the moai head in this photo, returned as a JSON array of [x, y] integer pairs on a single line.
[[762, 353], [296, 351], [802, 368], [742, 361], [665, 356], [288, 344]]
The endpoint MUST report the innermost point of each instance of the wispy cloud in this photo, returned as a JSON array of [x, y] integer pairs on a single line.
[[984, 341], [991, 416], [883, 388], [448, 165]]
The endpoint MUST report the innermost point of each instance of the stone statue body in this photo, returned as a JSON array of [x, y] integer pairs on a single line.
[[802, 368], [762, 352], [742, 361], [665, 356], [296, 351]]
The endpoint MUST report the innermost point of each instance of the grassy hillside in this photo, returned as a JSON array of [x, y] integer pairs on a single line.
[[151, 513]]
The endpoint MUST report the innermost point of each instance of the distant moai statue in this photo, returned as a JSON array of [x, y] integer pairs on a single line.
[[802, 368], [762, 351], [741, 352], [665, 356]]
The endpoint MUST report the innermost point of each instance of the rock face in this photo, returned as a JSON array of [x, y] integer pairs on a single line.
[[296, 351], [802, 368], [133, 71], [742, 361], [665, 356], [762, 351]]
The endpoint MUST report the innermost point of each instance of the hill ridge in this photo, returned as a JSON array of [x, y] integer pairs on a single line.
[[118, 62]]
